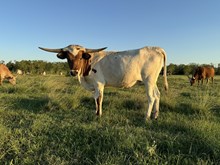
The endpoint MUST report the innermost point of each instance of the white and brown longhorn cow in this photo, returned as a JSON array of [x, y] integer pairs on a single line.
[[6, 74], [96, 69]]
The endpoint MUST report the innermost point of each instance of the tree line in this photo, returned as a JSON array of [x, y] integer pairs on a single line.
[[39, 66], [182, 69]]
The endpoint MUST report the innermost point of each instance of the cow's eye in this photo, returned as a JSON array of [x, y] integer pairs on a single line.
[[77, 48]]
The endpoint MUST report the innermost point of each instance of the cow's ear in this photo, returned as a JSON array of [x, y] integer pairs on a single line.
[[86, 56], [62, 55]]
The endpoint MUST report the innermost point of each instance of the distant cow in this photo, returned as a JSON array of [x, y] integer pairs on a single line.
[[19, 72], [6, 74], [202, 73], [117, 69], [44, 73]]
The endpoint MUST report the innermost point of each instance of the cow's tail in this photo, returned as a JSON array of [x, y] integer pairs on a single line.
[[165, 70]]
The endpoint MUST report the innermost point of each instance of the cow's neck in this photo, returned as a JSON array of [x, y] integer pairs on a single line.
[[85, 77], [86, 82], [96, 57]]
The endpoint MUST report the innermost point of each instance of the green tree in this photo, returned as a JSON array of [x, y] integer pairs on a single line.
[[11, 66], [171, 69]]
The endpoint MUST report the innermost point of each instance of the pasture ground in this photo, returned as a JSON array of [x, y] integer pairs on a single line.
[[51, 120]]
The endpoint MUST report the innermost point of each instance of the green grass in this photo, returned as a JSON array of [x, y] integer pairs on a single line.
[[51, 120]]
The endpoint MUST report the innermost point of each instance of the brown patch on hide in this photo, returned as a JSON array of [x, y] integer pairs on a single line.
[[85, 63]]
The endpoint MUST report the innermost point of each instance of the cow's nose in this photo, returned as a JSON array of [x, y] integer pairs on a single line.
[[73, 72]]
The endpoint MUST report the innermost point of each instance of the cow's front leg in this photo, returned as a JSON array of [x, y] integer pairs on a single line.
[[212, 80], [98, 96], [1, 80], [207, 80]]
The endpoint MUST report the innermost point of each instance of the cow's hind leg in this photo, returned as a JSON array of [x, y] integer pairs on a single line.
[[151, 98], [156, 102]]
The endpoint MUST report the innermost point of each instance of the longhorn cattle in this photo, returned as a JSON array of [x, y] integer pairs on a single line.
[[6, 74], [202, 73], [96, 69]]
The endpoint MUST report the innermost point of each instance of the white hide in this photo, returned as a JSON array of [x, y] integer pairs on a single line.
[[124, 69]]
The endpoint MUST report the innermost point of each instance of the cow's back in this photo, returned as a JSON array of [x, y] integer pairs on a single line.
[[3, 70], [204, 72], [125, 68], [209, 72]]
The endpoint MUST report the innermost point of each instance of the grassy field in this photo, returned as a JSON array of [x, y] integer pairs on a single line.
[[51, 120]]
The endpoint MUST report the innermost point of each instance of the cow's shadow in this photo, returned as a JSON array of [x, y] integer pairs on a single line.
[[87, 103], [32, 104], [216, 110], [135, 110]]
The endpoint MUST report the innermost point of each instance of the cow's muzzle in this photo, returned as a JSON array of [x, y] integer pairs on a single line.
[[73, 72]]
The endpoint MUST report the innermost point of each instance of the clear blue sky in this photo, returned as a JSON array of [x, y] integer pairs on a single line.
[[189, 30]]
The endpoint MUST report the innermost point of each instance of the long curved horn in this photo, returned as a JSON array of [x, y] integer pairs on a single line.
[[94, 50], [51, 50]]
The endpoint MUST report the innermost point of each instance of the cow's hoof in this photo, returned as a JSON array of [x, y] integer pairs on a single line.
[[147, 119], [98, 113], [155, 118]]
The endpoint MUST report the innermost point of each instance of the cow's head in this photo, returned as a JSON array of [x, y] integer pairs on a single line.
[[192, 80], [12, 80], [77, 57]]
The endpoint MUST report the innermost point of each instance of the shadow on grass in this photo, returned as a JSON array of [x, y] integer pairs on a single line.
[[82, 145], [135, 111], [186, 143], [216, 110], [33, 104], [181, 108], [132, 104], [131, 110], [182, 140], [8, 88], [88, 103]]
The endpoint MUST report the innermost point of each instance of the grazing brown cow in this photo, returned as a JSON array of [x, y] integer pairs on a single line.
[[202, 73], [6, 74]]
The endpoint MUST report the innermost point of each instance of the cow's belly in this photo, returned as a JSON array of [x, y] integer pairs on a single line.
[[120, 74], [123, 81]]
